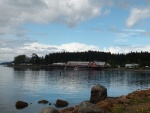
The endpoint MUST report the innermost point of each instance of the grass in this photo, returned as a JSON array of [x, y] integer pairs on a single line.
[[136, 105], [118, 109], [143, 110], [134, 100]]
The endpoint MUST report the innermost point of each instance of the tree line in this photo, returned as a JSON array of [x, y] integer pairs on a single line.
[[141, 58]]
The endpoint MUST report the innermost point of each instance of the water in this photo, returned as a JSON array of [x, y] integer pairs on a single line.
[[73, 86]]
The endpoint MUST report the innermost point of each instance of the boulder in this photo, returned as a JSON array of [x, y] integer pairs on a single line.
[[86, 107], [98, 93], [43, 102], [49, 110], [68, 110], [61, 103], [21, 104]]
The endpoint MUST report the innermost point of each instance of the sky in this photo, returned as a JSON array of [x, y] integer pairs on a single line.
[[49, 26]]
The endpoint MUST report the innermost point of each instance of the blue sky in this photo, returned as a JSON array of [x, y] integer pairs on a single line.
[[47, 26]]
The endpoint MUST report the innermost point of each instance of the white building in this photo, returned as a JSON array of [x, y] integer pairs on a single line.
[[132, 66], [77, 63], [97, 64], [59, 64]]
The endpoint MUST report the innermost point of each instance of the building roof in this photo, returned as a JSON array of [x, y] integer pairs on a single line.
[[130, 65], [78, 62], [59, 63], [100, 63]]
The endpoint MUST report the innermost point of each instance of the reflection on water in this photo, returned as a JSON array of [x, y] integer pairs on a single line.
[[73, 86]]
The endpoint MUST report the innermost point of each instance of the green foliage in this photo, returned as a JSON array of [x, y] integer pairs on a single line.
[[118, 109], [134, 100], [141, 58], [19, 59], [35, 59]]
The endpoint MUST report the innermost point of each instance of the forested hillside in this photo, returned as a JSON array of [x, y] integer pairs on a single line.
[[142, 58]]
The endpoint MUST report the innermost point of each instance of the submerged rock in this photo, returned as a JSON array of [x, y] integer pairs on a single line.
[[98, 93], [21, 104], [43, 102], [49, 110], [61, 103]]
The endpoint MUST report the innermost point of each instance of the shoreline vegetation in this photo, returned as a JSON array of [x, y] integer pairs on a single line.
[[52, 67], [115, 60]]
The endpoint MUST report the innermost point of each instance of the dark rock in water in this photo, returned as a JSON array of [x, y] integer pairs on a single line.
[[43, 102], [98, 93], [61, 103], [49, 110], [21, 104], [86, 107]]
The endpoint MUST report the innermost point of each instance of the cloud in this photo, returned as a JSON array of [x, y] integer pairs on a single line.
[[70, 12], [134, 30], [13, 43], [74, 47], [8, 51], [122, 35], [128, 48], [18, 13], [136, 15]]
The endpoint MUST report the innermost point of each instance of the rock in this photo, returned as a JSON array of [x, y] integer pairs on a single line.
[[49, 110], [43, 102], [86, 107], [139, 94], [21, 104], [68, 110], [123, 100], [107, 104], [61, 103], [98, 93]]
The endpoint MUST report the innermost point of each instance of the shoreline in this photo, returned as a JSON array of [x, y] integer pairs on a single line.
[[51, 67], [135, 102]]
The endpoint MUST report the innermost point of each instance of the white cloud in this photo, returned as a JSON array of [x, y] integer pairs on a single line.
[[127, 49], [134, 30], [9, 52], [15, 14], [74, 47], [136, 15], [69, 12]]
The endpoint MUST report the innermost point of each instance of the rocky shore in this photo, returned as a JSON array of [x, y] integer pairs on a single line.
[[135, 102]]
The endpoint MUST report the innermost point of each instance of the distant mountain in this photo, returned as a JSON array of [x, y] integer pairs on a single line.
[[5, 63]]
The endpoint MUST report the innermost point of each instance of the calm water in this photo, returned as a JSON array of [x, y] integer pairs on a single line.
[[73, 86]]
